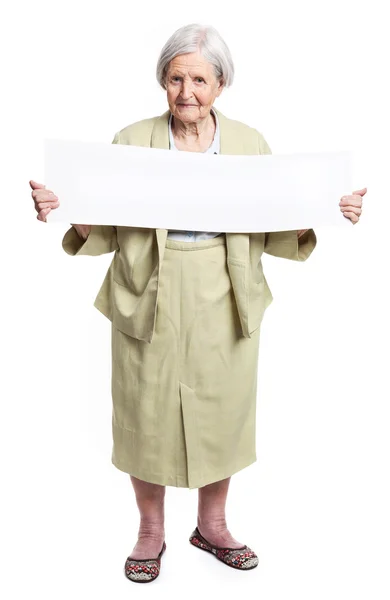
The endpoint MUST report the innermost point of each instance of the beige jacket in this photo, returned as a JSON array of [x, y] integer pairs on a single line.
[[128, 295]]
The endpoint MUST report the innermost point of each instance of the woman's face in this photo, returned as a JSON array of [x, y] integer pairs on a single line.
[[191, 87]]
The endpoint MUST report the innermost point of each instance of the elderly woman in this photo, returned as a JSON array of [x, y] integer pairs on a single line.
[[186, 309]]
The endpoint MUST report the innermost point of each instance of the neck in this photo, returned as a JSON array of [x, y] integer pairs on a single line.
[[201, 129]]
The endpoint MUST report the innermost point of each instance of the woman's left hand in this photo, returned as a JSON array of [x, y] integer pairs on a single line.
[[351, 206]]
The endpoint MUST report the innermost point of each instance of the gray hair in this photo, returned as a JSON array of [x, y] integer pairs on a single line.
[[193, 38]]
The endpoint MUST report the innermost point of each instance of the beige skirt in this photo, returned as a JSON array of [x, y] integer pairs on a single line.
[[184, 406]]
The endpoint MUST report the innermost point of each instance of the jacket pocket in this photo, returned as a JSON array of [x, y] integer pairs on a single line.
[[133, 312], [122, 271]]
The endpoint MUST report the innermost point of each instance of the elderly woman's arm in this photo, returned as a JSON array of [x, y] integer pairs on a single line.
[[102, 239]]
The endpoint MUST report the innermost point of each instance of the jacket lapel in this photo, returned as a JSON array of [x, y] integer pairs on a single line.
[[160, 134], [231, 143]]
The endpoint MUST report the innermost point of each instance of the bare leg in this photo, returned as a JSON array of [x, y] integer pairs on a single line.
[[150, 501], [211, 514]]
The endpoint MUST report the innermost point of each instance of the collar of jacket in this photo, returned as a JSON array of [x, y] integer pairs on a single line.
[[238, 253]]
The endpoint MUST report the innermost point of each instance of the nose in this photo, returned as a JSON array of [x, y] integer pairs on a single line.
[[186, 90]]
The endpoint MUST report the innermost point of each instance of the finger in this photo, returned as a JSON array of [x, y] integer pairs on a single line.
[[35, 185], [40, 205], [43, 214], [351, 201], [355, 209], [350, 215], [43, 195], [360, 192]]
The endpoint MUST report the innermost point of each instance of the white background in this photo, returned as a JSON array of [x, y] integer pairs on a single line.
[[310, 76]]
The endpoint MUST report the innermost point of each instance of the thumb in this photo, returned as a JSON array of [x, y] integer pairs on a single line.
[[360, 192], [35, 185]]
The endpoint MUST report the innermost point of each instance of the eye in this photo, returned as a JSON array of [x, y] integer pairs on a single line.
[[176, 78], [199, 79]]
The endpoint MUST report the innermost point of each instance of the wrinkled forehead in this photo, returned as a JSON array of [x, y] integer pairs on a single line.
[[185, 63]]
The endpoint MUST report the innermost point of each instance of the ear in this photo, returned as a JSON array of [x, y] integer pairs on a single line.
[[221, 85]]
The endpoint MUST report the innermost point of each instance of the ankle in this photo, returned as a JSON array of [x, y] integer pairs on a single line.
[[151, 529], [215, 523]]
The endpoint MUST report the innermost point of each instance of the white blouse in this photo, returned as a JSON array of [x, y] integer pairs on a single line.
[[195, 236]]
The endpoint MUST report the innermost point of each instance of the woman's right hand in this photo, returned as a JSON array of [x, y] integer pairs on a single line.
[[45, 200]]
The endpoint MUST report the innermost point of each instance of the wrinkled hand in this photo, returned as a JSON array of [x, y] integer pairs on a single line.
[[44, 200], [351, 206]]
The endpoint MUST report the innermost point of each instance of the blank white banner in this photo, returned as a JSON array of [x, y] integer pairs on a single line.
[[109, 184]]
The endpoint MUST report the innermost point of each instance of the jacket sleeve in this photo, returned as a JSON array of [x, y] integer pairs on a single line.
[[101, 240], [285, 244]]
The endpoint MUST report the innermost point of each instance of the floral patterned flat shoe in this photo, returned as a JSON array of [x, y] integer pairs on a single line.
[[239, 558], [145, 570]]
